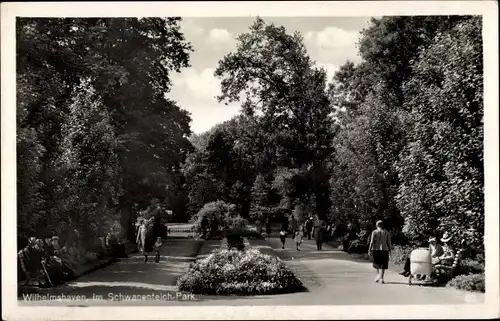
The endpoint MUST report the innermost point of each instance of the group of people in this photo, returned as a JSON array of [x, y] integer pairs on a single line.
[[145, 239], [380, 247], [377, 244], [40, 259], [299, 233], [440, 254]]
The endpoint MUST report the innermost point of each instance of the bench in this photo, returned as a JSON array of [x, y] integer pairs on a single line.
[[449, 269], [181, 232]]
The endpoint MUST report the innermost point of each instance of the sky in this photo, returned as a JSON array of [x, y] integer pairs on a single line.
[[329, 41]]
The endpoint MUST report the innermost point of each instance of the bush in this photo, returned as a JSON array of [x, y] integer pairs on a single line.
[[235, 272], [399, 238], [398, 257], [468, 266], [471, 282]]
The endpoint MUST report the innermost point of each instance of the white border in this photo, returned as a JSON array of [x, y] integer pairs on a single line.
[[489, 10]]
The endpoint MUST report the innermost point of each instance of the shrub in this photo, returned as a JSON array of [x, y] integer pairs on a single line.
[[398, 257], [471, 282], [235, 272], [399, 238], [469, 266]]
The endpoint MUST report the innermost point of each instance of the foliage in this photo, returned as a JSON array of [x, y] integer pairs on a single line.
[[221, 167], [81, 155], [233, 272], [471, 282], [469, 266], [441, 166], [281, 87], [218, 210], [88, 166], [398, 257]]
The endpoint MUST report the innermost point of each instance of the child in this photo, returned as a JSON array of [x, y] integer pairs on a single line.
[[298, 238], [156, 248], [283, 238]]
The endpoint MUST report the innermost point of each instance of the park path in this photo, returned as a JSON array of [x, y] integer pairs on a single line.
[[332, 277]]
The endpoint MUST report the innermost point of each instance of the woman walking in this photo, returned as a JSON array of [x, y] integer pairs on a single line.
[[380, 246], [145, 239]]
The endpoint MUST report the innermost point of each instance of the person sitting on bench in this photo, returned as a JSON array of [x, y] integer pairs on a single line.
[[359, 245]]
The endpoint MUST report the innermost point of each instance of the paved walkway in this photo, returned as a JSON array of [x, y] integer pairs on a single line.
[[332, 277]]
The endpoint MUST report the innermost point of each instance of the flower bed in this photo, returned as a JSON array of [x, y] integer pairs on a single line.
[[233, 272]]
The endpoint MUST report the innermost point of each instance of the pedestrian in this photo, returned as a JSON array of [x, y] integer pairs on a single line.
[[156, 248], [283, 237], [309, 227], [379, 249], [298, 237], [204, 227], [320, 235], [144, 239]]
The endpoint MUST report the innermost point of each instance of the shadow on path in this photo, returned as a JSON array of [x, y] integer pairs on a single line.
[[132, 276]]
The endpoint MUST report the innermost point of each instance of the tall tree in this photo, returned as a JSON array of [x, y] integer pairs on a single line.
[[280, 84], [88, 167], [130, 60], [372, 93], [441, 167]]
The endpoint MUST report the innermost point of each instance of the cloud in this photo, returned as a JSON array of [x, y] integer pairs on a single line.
[[206, 116], [195, 90], [220, 36], [189, 28], [198, 84], [332, 37]]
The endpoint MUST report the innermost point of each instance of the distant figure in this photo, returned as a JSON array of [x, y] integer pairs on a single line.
[[294, 225], [351, 236], [359, 245], [380, 246], [308, 227], [204, 227], [145, 239], [156, 248], [298, 237], [283, 237], [268, 226], [320, 235]]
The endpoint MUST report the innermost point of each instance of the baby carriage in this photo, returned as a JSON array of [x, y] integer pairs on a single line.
[[420, 263]]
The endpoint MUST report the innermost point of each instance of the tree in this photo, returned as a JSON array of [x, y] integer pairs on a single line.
[[88, 167], [130, 61], [441, 167], [280, 85], [370, 100]]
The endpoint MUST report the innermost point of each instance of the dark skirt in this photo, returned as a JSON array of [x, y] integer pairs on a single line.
[[381, 259]]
